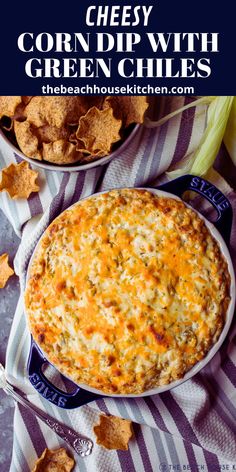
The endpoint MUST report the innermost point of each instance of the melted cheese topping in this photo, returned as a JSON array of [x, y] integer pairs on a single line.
[[127, 291]]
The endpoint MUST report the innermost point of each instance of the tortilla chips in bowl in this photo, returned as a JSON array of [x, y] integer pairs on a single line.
[[70, 133]]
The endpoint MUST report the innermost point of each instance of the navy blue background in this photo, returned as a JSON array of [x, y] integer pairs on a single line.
[[166, 16]]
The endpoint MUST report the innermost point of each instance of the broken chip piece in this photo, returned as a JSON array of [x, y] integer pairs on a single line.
[[113, 432], [19, 180], [54, 461], [99, 130], [8, 105], [5, 270], [27, 140]]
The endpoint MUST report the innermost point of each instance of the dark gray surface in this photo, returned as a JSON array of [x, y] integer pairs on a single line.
[[8, 299]]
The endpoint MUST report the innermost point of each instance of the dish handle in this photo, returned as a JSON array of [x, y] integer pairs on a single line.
[[207, 190], [49, 391]]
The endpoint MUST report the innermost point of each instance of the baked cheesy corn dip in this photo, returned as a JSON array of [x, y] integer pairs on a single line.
[[127, 291]]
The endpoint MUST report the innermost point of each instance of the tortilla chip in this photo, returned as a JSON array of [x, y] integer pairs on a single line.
[[5, 270], [60, 152], [61, 110], [8, 105], [58, 111], [88, 102], [129, 109], [113, 432], [54, 461], [80, 145], [19, 180], [87, 156], [47, 133], [27, 140], [99, 130], [35, 111]]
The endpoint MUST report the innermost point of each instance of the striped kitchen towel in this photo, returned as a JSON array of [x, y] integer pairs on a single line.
[[191, 427]]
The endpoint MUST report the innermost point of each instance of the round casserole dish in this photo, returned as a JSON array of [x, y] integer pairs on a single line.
[[37, 359]]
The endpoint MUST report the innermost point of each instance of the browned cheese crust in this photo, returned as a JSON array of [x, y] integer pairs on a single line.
[[127, 291]]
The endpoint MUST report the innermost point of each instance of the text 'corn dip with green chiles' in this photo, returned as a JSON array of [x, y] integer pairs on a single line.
[[127, 291]]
